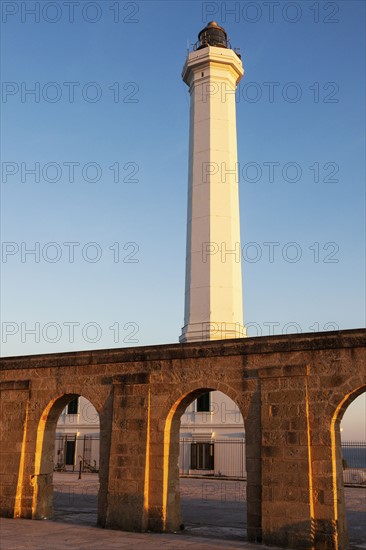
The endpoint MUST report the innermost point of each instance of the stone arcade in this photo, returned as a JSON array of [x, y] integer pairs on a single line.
[[291, 390]]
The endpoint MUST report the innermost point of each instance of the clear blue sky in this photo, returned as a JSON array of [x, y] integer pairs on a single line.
[[300, 105]]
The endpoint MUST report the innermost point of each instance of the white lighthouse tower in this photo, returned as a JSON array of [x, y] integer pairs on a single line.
[[213, 295]]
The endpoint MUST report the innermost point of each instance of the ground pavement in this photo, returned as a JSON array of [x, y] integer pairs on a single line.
[[213, 512]]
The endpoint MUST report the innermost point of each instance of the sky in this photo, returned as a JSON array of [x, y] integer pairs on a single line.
[[94, 169]]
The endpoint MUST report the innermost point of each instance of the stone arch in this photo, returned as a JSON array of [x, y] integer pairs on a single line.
[[42, 478], [248, 403], [337, 466]]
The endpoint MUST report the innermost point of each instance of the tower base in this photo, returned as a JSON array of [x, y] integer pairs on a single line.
[[201, 332]]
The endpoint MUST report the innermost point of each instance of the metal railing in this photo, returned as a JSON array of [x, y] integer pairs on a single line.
[[71, 449], [212, 457], [354, 462], [209, 457]]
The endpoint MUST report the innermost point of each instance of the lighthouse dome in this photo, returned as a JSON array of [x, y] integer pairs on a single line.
[[212, 35]]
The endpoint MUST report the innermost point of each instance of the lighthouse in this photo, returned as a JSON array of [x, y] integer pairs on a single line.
[[213, 292]]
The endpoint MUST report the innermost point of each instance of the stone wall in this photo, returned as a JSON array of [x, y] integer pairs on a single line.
[[292, 391]]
